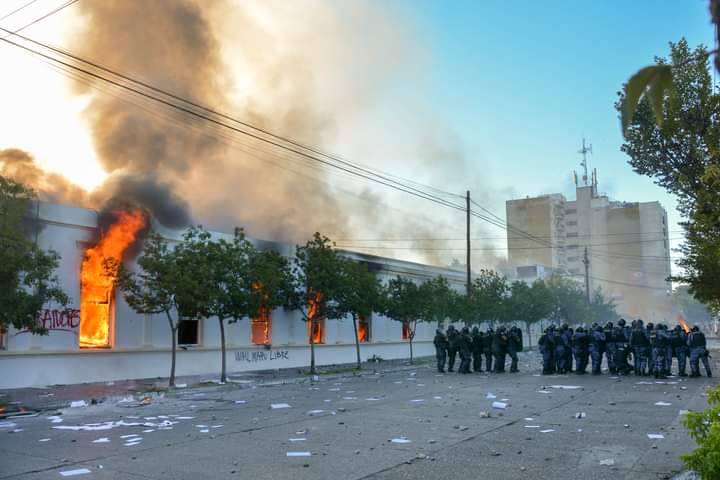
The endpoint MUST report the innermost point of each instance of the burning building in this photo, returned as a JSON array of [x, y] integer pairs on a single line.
[[101, 338]]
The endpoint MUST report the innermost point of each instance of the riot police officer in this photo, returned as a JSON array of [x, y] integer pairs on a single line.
[[464, 345], [680, 349], [477, 349], [640, 346], [597, 348], [441, 345], [452, 336], [580, 346], [547, 349], [698, 351], [514, 345], [487, 349]]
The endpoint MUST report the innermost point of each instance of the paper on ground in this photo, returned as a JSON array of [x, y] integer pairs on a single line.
[[184, 418], [55, 419], [102, 440], [499, 405], [276, 406], [437, 398], [78, 403], [400, 440], [129, 436], [7, 424], [417, 400], [44, 440], [349, 398], [528, 419], [663, 404], [204, 430], [547, 431], [607, 461], [301, 439], [78, 471], [490, 396], [372, 399], [298, 454], [655, 436], [565, 387], [543, 391], [532, 426], [315, 412], [239, 401]]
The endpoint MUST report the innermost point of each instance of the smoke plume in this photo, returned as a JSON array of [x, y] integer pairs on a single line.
[[298, 69]]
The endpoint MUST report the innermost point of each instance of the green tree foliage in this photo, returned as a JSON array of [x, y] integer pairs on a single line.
[[529, 303], [27, 273], [156, 288], [404, 303], [695, 312], [601, 309], [682, 154], [438, 300], [704, 428], [318, 274], [487, 299], [568, 302], [360, 294]]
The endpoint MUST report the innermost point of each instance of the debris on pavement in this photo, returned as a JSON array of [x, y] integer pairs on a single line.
[[298, 454], [499, 405], [78, 404], [77, 471], [655, 436], [277, 406], [608, 462], [400, 440]]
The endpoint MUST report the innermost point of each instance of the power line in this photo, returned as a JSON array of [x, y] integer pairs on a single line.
[[43, 17], [408, 239], [22, 7]]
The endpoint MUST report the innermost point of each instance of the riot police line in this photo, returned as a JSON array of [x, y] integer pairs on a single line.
[[473, 347], [650, 347]]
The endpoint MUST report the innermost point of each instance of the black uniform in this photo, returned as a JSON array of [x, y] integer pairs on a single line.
[[441, 345], [487, 349], [547, 349], [698, 351], [464, 348], [640, 347], [499, 349], [581, 350], [452, 336], [515, 344], [477, 349]]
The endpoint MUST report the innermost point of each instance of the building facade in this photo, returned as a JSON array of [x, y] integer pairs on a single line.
[[139, 345], [625, 246]]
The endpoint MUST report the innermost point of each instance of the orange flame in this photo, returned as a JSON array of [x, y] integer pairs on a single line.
[[315, 325], [97, 278], [683, 323], [362, 329], [260, 325]]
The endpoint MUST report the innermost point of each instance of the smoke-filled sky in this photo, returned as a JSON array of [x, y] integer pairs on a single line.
[[484, 96]]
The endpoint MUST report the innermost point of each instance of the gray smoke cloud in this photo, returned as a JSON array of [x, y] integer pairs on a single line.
[[298, 79]]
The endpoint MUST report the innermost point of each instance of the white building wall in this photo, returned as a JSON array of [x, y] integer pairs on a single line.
[[141, 343]]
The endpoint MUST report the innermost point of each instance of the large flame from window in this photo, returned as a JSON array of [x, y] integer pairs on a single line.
[[316, 324], [98, 275], [261, 324]]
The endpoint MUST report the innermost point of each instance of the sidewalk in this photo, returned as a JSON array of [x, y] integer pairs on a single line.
[[25, 401]]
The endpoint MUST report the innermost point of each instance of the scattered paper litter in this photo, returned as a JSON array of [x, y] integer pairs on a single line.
[[532, 426], [655, 436], [543, 391], [529, 419], [72, 473], [277, 406], [547, 431], [239, 402], [181, 385], [490, 396], [149, 430], [315, 412], [205, 430], [400, 440], [89, 427], [44, 440], [565, 387], [298, 454], [131, 444], [17, 430], [129, 436], [580, 415], [372, 399], [417, 400], [217, 426], [607, 461], [301, 439], [7, 424], [184, 418], [437, 398], [349, 398], [499, 405], [102, 440], [201, 426], [662, 404], [333, 389], [78, 403], [55, 419]]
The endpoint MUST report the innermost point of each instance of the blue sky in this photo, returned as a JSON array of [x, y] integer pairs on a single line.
[[521, 83]]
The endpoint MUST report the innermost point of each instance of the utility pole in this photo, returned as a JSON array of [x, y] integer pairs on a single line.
[[586, 261], [467, 202]]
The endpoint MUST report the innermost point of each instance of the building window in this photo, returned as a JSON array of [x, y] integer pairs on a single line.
[[571, 223], [406, 331], [3, 338], [571, 247], [572, 234], [188, 332], [570, 211], [363, 329], [316, 331], [261, 327], [573, 259]]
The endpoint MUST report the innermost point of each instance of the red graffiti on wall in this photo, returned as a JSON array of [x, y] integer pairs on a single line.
[[67, 320]]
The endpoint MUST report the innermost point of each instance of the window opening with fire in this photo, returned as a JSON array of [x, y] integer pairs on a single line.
[[363, 328], [98, 275], [316, 326], [261, 327], [3, 338], [406, 331]]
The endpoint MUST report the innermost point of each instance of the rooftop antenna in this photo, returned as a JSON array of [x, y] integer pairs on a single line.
[[584, 151]]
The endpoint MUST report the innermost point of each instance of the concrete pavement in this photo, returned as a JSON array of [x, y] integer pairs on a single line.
[[348, 426]]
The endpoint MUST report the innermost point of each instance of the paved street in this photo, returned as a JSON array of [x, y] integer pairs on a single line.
[[347, 425]]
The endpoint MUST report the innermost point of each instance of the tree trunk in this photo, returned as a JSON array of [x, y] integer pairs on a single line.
[[412, 336], [173, 335], [312, 347], [223, 371], [357, 341], [527, 327]]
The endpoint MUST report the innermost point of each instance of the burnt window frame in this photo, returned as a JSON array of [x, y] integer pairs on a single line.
[[258, 320], [368, 321], [198, 332]]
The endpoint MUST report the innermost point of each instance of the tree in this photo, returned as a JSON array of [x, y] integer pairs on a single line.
[[529, 303], [359, 295], [487, 298], [404, 304], [600, 309], [438, 300], [318, 275], [674, 138], [704, 428], [156, 288], [27, 273], [695, 311], [568, 302]]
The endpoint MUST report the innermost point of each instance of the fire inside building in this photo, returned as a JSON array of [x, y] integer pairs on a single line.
[[100, 338]]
